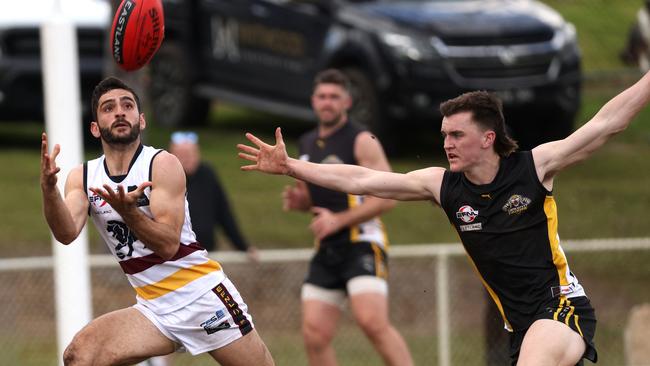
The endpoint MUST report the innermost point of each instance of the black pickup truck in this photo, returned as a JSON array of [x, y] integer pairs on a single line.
[[403, 56]]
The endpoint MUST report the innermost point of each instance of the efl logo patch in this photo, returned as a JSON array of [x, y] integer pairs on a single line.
[[516, 204], [467, 214]]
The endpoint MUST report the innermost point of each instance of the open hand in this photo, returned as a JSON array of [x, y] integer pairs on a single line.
[[295, 198], [267, 158], [120, 201], [49, 169], [324, 223]]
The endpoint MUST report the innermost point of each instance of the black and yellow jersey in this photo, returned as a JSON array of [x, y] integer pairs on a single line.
[[509, 230], [338, 148]]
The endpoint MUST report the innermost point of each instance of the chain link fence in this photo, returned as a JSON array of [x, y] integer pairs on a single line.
[[614, 272]]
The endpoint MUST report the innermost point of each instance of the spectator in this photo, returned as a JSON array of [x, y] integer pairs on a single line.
[[208, 204]]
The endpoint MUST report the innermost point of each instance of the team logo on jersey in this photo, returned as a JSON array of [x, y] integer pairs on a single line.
[[516, 204], [142, 200], [467, 214], [332, 159], [123, 235]]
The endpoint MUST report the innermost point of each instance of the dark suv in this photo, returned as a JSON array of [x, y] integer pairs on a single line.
[[403, 57], [21, 83]]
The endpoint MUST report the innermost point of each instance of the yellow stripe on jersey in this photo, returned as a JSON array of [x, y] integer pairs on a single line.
[[384, 234], [354, 229], [559, 307], [493, 294], [177, 280], [380, 269], [550, 209]]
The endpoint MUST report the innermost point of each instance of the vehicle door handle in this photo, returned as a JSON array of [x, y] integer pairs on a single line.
[[259, 11]]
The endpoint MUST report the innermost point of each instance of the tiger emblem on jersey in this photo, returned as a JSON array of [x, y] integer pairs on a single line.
[[516, 204]]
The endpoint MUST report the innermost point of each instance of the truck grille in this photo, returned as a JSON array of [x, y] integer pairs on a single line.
[[521, 60], [506, 40], [495, 69]]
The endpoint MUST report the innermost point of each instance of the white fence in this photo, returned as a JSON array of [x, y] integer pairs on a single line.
[[435, 300]]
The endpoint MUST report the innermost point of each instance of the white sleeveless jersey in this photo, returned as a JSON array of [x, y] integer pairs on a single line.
[[162, 286]]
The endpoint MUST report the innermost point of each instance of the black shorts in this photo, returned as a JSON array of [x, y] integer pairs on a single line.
[[334, 264], [576, 312]]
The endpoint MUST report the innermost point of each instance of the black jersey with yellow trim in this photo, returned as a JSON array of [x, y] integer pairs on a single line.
[[509, 230], [338, 148]]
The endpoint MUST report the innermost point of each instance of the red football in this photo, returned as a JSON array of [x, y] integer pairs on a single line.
[[137, 32]]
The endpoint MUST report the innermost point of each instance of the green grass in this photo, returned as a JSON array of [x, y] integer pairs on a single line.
[[602, 27]]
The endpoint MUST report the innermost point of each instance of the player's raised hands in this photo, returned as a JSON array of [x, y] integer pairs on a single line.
[[49, 169], [120, 200], [267, 158]]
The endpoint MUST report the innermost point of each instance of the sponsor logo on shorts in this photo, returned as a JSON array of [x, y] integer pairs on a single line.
[[562, 290], [220, 313], [211, 325], [368, 263], [516, 204], [467, 214]]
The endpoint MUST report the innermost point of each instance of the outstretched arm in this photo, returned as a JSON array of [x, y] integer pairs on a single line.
[[273, 159], [613, 118], [368, 153], [65, 217]]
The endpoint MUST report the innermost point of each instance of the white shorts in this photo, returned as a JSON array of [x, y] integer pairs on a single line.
[[336, 297], [212, 321]]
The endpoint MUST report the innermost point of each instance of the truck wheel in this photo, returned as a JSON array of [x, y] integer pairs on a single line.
[[173, 102], [365, 109]]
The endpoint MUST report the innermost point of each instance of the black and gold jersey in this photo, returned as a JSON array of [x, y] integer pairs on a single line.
[[509, 230], [338, 148]]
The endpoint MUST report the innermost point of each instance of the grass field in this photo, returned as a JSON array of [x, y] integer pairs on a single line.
[[602, 27]]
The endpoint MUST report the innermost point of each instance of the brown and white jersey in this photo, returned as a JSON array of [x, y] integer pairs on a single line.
[[161, 285]]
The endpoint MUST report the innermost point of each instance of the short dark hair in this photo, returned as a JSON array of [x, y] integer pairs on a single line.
[[332, 76], [487, 111], [106, 85]]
